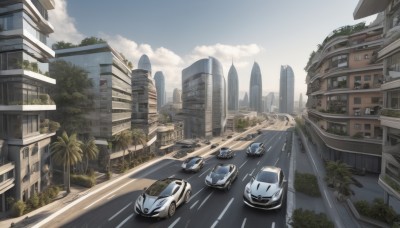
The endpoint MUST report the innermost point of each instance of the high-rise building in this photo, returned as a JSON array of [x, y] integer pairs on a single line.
[[144, 101], [389, 54], [255, 92], [24, 99], [301, 102], [269, 102], [177, 96], [204, 99], [286, 91], [245, 101], [344, 96], [233, 89], [160, 87]]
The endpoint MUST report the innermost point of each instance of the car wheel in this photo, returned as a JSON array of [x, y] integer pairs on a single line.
[[187, 196], [171, 209]]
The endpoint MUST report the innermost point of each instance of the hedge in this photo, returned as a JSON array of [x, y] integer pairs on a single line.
[[309, 219], [83, 180], [307, 184], [377, 210]]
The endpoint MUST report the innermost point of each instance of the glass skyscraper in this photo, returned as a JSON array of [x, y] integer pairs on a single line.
[[286, 90], [255, 91], [233, 89], [160, 87]]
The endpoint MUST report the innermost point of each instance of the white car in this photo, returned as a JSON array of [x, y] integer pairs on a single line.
[[163, 197], [266, 190], [222, 176]]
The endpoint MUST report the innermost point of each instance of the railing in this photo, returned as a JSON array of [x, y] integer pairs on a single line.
[[390, 112]]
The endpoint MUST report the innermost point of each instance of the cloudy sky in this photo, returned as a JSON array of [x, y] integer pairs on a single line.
[[175, 33]]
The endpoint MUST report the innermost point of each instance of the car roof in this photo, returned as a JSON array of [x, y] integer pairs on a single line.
[[271, 169]]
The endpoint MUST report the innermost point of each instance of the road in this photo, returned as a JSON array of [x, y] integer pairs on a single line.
[[114, 206]]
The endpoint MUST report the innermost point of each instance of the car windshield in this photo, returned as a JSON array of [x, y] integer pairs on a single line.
[[267, 177], [193, 161], [161, 188], [254, 146], [221, 169]]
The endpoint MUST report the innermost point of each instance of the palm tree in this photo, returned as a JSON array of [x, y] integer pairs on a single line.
[[339, 176], [138, 138], [90, 151], [122, 141], [66, 151]]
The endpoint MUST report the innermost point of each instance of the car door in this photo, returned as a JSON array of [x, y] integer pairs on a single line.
[[178, 192]]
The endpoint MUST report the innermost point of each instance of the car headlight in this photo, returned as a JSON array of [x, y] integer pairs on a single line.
[[184, 165], [248, 150], [277, 195], [247, 189]]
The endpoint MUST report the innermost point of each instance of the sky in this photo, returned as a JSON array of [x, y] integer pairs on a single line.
[[176, 33]]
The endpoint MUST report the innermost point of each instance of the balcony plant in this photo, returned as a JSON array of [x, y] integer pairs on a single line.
[[358, 135]]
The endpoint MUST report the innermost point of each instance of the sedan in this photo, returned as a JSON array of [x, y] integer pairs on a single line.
[[265, 190], [222, 176], [214, 145], [255, 149], [193, 164], [225, 152], [163, 197]]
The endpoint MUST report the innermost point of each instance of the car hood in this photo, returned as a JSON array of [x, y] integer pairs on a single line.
[[223, 153], [152, 202], [189, 165], [263, 189], [214, 178]]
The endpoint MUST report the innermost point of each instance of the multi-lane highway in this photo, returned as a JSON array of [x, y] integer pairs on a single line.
[[207, 207]]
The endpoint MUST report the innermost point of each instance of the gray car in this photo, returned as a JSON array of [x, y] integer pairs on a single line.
[[255, 149], [163, 197], [193, 164], [265, 190], [222, 176]]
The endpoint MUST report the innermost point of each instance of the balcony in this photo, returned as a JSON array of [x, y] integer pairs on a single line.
[[390, 185], [389, 112], [121, 105], [121, 116]]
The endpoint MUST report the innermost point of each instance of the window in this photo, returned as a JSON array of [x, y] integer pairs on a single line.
[[357, 58], [375, 100], [367, 78], [367, 127], [357, 100], [25, 152], [366, 56], [357, 126]]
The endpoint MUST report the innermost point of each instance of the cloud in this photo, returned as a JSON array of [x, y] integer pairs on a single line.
[[64, 25]]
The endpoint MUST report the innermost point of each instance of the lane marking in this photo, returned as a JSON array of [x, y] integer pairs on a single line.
[[268, 149], [195, 194], [222, 213], [123, 222], [111, 197], [108, 194], [258, 162], [202, 203], [194, 204], [175, 222], [112, 217], [327, 199], [244, 177], [276, 162], [204, 172], [244, 222], [172, 176], [252, 172], [243, 164], [273, 225]]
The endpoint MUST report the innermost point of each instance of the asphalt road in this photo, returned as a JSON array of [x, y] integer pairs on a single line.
[[114, 206]]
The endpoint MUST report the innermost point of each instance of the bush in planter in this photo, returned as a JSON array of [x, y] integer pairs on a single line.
[[34, 201], [18, 208], [307, 184], [108, 175], [53, 126], [362, 207], [377, 210], [309, 219], [83, 180]]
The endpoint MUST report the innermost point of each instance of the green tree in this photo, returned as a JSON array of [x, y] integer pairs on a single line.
[[122, 141], [91, 40], [138, 138], [71, 96], [90, 151], [66, 151], [339, 176], [62, 45]]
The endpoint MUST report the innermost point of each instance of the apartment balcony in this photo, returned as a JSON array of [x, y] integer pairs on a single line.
[[121, 105], [29, 74], [390, 118], [121, 116], [7, 176], [27, 107], [120, 127]]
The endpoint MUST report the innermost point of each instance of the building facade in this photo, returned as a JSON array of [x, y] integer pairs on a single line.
[[204, 99], [286, 91], [24, 99], [168, 135], [233, 89], [255, 91], [344, 98], [160, 87], [270, 102], [389, 54]]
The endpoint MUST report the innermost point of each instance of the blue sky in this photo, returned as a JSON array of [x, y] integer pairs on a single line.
[[175, 33]]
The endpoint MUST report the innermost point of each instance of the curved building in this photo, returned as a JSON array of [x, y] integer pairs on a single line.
[[144, 63], [255, 91], [160, 87], [286, 90], [204, 99], [177, 96], [233, 89]]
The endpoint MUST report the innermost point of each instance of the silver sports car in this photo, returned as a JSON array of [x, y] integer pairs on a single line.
[[222, 176], [265, 190], [193, 164], [163, 197]]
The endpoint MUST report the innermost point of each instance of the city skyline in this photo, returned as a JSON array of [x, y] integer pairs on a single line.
[[271, 45]]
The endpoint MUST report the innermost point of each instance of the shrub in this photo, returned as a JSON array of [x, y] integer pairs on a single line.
[[362, 207], [309, 219], [108, 175], [83, 180], [377, 210], [34, 201], [307, 184], [18, 208], [53, 126]]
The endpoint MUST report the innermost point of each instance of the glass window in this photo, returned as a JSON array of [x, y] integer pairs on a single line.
[[367, 126], [366, 56], [367, 78], [14, 60], [267, 177], [357, 100], [357, 126]]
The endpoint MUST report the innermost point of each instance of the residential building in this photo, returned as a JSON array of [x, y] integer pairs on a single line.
[[160, 87], [286, 91], [144, 102], [344, 96], [389, 54], [24, 99], [233, 89], [204, 99], [255, 91], [168, 135], [177, 96]]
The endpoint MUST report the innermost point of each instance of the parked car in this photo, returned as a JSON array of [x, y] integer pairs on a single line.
[[214, 145], [249, 137], [266, 190], [225, 152], [193, 164], [207, 142], [187, 146], [163, 197], [255, 149], [222, 176], [229, 136]]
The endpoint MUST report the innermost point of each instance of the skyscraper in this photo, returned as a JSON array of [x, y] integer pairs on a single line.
[[301, 102], [255, 91], [160, 87], [233, 89], [144, 63], [177, 96], [245, 101], [204, 99], [286, 91], [270, 101]]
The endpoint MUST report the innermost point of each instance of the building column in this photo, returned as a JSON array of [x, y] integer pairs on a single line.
[[386, 197]]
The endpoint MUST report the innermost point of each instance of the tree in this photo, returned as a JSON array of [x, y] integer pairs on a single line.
[[66, 151], [122, 141], [138, 138], [62, 45], [90, 151], [91, 40], [339, 176], [71, 96]]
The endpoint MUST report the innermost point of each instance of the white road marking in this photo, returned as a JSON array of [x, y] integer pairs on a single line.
[[276, 162], [244, 222], [194, 205], [109, 194], [202, 203], [172, 176], [252, 172], [244, 177], [312, 159], [327, 199], [204, 172], [268, 149], [175, 222], [195, 194], [111, 197], [242, 164], [112, 217], [222, 213], [123, 222], [258, 162], [273, 225]]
